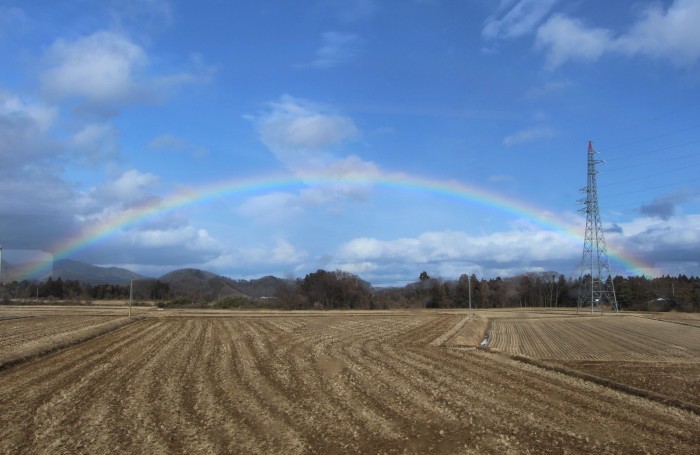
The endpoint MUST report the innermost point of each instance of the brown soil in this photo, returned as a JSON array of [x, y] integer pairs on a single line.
[[25, 338], [332, 383]]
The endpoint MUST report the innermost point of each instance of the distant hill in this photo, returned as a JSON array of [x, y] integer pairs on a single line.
[[17, 271], [68, 269], [266, 286], [206, 285], [195, 283]]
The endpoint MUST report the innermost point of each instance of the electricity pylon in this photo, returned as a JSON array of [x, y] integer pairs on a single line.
[[596, 283]]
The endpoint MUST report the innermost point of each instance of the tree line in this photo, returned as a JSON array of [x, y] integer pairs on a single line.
[[75, 290], [342, 290]]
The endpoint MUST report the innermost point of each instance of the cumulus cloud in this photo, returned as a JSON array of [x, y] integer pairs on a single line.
[[305, 137], [279, 253], [116, 196], [102, 67], [563, 39], [500, 249], [185, 237], [661, 242], [670, 34], [300, 133], [132, 184], [529, 135], [106, 70], [520, 250]]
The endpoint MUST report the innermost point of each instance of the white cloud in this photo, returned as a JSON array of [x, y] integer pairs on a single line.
[[429, 247], [519, 250], [670, 34], [519, 20], [118, 194], [131, 184], [101, 67], [107, 69], [184, 237], [529, 135], [279, 253], [336, 48], [563, 39], [301, 133], [661, 241], [285, 253]]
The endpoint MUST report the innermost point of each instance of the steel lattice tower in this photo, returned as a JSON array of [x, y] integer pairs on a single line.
[[596, 283]]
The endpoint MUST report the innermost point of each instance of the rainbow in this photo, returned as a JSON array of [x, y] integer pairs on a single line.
[[399, 181]]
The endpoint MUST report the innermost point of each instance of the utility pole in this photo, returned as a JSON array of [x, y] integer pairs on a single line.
[[131, 294], [470, 297], [1, 282], [596, 283]]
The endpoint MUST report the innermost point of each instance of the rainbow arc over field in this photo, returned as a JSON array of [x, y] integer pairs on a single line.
[[399, 181]]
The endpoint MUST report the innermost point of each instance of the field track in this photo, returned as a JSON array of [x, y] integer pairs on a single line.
[[324, 384]]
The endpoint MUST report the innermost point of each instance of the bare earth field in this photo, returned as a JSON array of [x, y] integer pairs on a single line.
[[26, 337], [320, 382], [658, 353]]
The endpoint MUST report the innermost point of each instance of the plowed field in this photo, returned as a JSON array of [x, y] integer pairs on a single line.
[[614, 337], [657, 355], [328, 383], [24, 337]]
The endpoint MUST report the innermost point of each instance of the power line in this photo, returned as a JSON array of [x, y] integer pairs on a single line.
[[647, 152], [658, 199], [651, 138], [648, 189], [649, 176], [652, 119]]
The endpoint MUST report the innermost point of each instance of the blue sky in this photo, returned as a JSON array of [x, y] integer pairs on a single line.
[[105, 106]]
